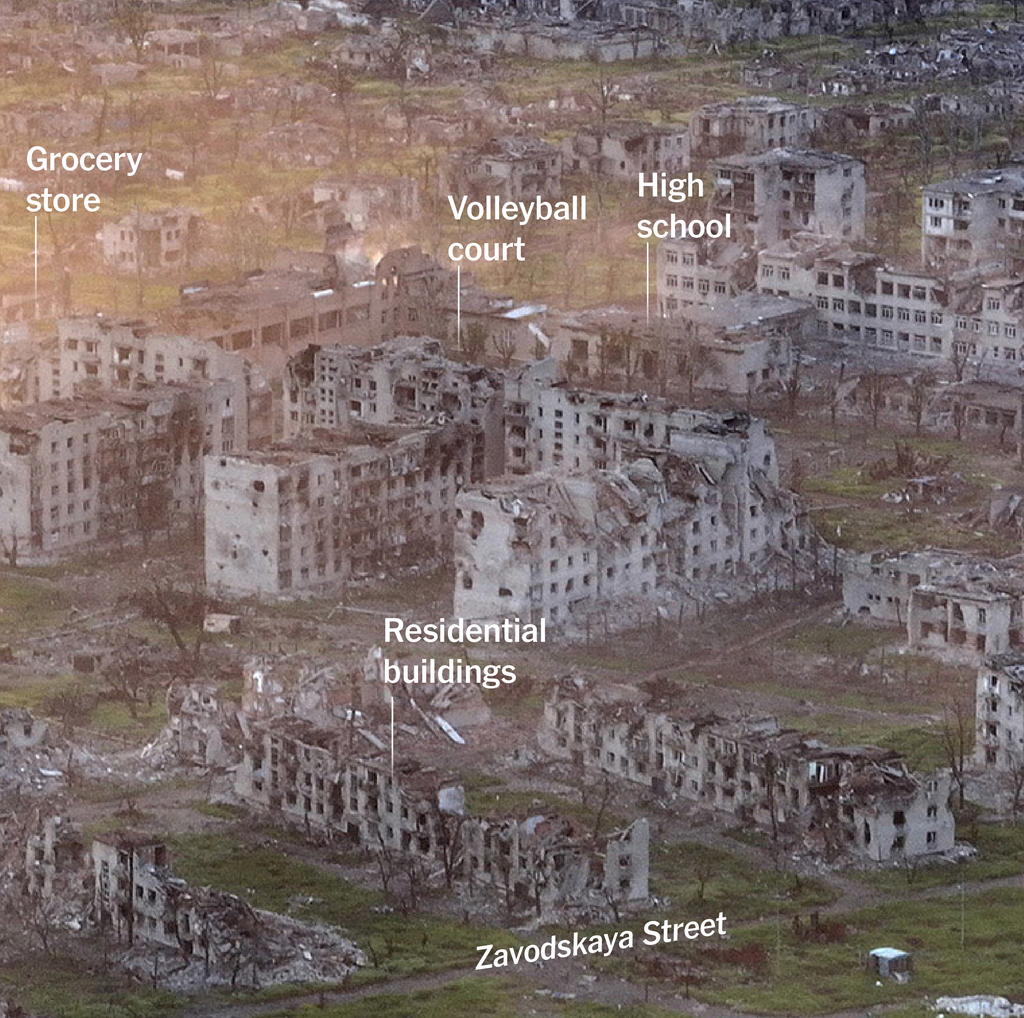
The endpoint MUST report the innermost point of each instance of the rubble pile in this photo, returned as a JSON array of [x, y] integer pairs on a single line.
[[247, 947]]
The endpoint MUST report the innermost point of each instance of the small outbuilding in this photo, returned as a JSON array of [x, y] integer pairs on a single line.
[[891, 963]]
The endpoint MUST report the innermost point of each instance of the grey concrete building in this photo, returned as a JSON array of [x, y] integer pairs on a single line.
[[333, 506], [960, 605], [774, 194], [859, 802], [999, 748], [749, 125], [106, 469]]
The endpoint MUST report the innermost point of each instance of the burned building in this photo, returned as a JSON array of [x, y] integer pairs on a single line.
[[749, 125], [333, 506], [105, 469], [127, 354], [622, 150], [403, 381], [652, 496], [745, 342], [552, 424], [775, 194], [210, 935], [999, 746], [952, 602], [974, 220], [336, 778], [361, 202], [859, 802]]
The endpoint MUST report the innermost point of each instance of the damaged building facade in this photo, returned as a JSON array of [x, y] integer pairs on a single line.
[[746, 342], [999, 747], [774, 194], [214, 937], [652, 496], [108, 468], [407, 380], [333, 506], [859, 802], [131, 354], [336, 778], [951, 602]]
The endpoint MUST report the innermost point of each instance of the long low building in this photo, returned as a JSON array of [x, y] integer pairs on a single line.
[[335, 775], [859, 802]]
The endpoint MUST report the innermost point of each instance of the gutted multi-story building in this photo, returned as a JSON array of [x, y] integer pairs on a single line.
[[143, 241], [543, 546], [332, 506], [976, 220], [104, 469], [999, 747], [855, 801], [119, 354], [403, 381], [749, 125], [734, 344], [137, 899], [553, 425], [514, 167], [775, 194], [692, 271], [952, 602], [338, 777], [624, 149]]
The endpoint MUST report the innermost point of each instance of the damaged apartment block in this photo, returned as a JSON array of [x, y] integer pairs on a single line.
[[860, 803], [170, 932], [956, 604], [105, 469], [407, 380], [337, 779], [653, 497], [333, 506]]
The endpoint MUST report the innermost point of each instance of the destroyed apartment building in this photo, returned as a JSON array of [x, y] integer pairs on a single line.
[[972, 316], [167, 930], [108, 468], [855, 802], [748, 125], [513, 167], [333, 774], [775, 194], [407, 380], [110, 353], [147, 241], [333, 505], [552, 544], [954, 603], [999, 744]]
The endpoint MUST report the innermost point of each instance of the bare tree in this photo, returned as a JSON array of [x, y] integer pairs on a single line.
[[693, 358], [1014, 779], [957, 741], [179, 607], [135, 21], [793, 385], [876, 385], [9, 547], [917, 402]]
